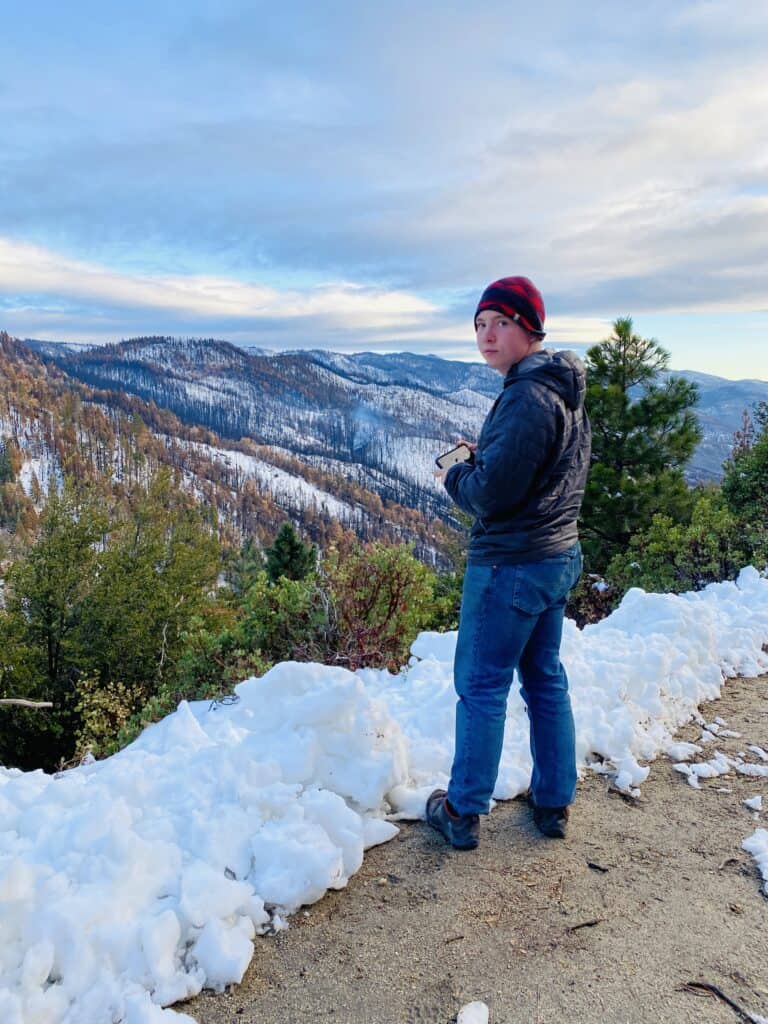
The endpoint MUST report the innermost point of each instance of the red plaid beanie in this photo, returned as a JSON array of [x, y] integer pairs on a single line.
[[519, 299]]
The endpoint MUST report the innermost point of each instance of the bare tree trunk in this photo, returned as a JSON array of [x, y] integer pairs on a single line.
[[26, 703]]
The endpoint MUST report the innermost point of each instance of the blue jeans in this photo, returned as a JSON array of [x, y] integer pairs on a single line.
[[512, 618]]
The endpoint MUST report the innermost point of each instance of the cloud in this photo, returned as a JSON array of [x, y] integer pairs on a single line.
[[58, 284], [354, 174]]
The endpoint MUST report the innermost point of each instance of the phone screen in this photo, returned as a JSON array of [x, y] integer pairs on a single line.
[[458, 454]]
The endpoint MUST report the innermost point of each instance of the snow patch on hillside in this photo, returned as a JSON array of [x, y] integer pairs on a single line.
[[288, 490], [40, 463]]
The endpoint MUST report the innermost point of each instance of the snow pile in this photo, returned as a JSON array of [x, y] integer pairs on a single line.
[[134, 881], [635, 678], [128, 884]]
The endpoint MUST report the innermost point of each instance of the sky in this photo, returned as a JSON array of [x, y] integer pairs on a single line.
[[350, 175]]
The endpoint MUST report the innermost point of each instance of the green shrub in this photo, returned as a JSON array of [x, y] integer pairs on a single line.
[[672, 557], [381, 597], [745, 485], [104, 710], [285, 621]]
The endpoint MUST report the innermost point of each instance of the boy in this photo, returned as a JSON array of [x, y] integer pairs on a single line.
[[524, 485]]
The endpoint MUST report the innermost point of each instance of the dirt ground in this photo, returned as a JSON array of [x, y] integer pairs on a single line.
[[642, 898]]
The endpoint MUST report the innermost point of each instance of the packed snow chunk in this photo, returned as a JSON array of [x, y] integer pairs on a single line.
[[757, 845], [139, 1009], [17, 882], [411, 804], [435, 646], [473, 1013], [358, 750], [343, 826], [755, 803], [10, 1007], [712, 769], [755, 771], [207, 894], [294, 863], [181, 729], [376, 832], [160, 941], [759, 751], [48, 1004], [629, 775], [223, 953], [691, 777], [681, 751], [37, 965]]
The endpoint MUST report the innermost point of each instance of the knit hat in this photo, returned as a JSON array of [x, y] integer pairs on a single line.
[[519, 299]]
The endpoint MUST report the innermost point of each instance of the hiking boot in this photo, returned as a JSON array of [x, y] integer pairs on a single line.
[[551, 821], [461, 830]]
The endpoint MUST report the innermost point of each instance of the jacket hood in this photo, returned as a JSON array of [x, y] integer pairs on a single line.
[[562, 372]]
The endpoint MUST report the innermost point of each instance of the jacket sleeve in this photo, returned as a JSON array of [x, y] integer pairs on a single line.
[[518, 442]]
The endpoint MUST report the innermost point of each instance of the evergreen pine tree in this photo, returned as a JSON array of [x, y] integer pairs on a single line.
[[745, 482], [40, 627], [245, 567], [161, 561], [643, 434], [289, 556], [6, 466]]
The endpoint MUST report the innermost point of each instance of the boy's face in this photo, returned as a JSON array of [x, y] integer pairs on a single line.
[[502, 342]]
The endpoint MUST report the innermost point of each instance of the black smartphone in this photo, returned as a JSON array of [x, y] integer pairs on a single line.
[[458, 454]]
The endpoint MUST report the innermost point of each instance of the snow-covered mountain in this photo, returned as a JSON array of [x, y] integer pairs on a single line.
[[720, 410], [55, 422], [375, 419]]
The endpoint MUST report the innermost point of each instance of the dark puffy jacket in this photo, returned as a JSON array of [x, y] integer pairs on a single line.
[[526, 482]]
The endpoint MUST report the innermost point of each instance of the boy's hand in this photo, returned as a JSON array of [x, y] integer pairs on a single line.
[[439, 474]]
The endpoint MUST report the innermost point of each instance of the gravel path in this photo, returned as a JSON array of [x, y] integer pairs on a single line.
[[643, 897]]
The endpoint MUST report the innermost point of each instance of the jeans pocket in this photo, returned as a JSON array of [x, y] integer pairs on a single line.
[[539, 585]]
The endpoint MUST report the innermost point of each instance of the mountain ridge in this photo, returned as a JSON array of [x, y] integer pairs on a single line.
[[378, 418], [58, 424]]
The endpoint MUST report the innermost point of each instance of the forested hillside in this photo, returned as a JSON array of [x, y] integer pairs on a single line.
[[52, 426], [377, 422]]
